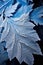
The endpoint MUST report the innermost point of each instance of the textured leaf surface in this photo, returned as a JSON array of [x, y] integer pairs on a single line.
[[3, 53], [20, 39], [22, 10], [11, 9], [4, 4], [18, 34]]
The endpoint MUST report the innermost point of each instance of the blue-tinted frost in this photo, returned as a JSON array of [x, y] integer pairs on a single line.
[[18, 33], [37, 15]]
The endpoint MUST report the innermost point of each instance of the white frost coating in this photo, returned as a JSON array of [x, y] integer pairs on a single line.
[[11, 9], [19, 34], [21, 40]]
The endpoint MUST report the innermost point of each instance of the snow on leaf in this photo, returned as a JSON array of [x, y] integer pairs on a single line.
[[37, 15], [11, 9]]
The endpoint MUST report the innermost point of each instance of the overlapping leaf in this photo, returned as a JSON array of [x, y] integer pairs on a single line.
[[11, 9], [37, 15]]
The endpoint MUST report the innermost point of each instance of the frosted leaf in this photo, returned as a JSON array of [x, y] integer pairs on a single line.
[[21, 39], [11, 9], [37, 15], [18, 33], [23, 10]]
